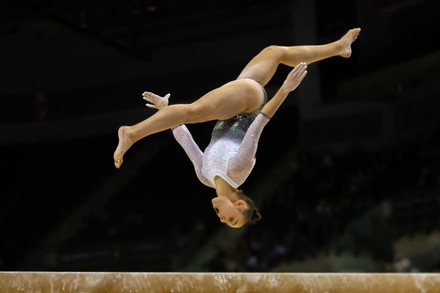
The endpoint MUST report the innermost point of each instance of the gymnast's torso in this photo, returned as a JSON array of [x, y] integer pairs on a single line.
[[231, 151]]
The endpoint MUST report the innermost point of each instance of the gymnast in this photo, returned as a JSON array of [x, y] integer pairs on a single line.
[[241, 110]]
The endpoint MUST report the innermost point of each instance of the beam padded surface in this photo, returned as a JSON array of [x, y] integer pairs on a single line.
[[96, 282]]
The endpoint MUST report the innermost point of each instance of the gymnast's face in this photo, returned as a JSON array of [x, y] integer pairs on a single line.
[[229, 213]]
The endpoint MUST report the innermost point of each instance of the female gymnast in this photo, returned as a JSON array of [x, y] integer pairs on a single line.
[[242, 111]]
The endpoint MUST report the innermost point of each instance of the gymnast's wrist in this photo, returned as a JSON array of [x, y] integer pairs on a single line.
[[177, 126], [265, 115]]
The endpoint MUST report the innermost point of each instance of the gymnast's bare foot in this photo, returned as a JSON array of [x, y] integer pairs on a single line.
[[124, 144], [346, 41]]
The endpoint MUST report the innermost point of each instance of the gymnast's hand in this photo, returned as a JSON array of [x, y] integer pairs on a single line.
[[155, 101], [295, 77]]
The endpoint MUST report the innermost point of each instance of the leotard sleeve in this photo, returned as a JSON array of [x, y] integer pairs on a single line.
[[192, 150]]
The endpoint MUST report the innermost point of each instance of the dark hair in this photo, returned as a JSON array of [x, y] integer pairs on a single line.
[[251, 214]]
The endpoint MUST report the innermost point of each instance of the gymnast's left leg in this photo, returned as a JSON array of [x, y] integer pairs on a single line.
[[235, 97]]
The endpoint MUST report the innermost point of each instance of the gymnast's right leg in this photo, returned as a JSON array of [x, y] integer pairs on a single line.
[[263, 66]]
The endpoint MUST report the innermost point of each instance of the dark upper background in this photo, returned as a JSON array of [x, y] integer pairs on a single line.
[[73, 71]]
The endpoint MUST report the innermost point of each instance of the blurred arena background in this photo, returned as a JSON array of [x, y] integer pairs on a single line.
[[347, 174]]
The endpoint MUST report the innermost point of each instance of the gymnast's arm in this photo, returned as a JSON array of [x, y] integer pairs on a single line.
[[192, 150], [242, 162], [291, 82]]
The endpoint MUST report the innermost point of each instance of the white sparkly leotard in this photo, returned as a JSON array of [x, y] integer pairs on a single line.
[[231, 151]]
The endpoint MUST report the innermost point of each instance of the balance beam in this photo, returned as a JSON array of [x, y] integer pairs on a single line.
[[87, 282]]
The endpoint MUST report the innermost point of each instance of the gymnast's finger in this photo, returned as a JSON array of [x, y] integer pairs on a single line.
[[149, 99], [151, 106]]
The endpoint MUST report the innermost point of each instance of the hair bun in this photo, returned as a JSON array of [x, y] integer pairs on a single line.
[[256, 216]]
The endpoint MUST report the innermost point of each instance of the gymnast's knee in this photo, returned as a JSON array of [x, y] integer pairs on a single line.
[[271, 50]]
